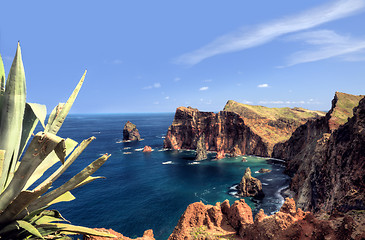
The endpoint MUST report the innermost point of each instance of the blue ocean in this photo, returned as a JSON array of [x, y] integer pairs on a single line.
[[151, 190]]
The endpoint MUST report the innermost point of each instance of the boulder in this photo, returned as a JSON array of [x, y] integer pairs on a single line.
[[264, 170]]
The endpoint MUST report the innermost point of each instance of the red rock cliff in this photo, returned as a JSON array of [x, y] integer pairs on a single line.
[[224, 131], [223, 221]]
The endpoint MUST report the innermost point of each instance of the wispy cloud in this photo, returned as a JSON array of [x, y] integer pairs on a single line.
[[208, 80], [177, 79], [264, 85], [261, 34], [203, 88], [280, 102], [328, 44], [155, 85], [117, 61]]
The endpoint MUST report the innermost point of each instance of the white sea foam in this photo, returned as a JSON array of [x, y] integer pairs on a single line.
[[120, 141], [193, 163], [265, 184], [127, 148], [163, 150], [257, 172], [233, 187], [168, 162], [127, 153], [269, 179], [138, 149]]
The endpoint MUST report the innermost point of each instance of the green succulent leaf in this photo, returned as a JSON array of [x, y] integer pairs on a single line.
[[70, 184], [32, 115], [66, 197], [68, 162], [60, 118], [40, 147], [30, 228], [50, 160], [69, 229]]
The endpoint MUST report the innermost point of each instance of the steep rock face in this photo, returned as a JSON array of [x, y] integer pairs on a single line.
[[130, 132], [239, 129], [224, 131], [201, 148], [250, 186], [317, 160], [273, 125], [223, 221]]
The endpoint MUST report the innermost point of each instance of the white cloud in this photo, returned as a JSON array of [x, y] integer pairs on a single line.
[[264, 85], [155, 85], [328, 44], [208, 80], [156, 102], [167, 97], [177, 79], [261, 34], [247, 102], [203, 88]]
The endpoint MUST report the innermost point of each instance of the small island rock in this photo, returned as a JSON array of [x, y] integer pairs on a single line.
[[130, 132], [250, 186], [264, 170], [147, 149]]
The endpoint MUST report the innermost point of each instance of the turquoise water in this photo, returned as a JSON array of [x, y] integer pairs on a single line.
[[151, 190]]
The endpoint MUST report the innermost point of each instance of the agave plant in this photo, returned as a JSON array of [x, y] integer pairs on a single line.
[[23, 207]]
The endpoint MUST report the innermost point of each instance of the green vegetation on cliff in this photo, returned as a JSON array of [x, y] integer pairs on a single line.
[[272, 124]]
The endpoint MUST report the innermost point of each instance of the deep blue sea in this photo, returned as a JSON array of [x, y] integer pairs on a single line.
[[151, 190]]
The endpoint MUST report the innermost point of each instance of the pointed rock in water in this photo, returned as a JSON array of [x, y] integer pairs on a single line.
[[130, 132], [147, 149], [201, 150], [250, 186]]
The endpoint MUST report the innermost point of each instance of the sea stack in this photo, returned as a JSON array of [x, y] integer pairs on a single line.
[[250, 186], [130, 132], [201, 150]]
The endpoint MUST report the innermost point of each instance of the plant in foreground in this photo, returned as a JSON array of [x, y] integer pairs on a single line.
[[23, 213]]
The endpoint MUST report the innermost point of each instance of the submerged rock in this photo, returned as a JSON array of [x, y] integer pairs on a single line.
[[130, 132], [250, 186], [264, 170], [147, 149], [201, 150]]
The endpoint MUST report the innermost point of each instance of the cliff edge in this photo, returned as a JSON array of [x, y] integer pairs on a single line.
[[326, 158]]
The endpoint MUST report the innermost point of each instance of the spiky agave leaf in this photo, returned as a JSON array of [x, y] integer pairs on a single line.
[[2, 82], [12, 113], [40, 147], [70, 184], [55, 125]]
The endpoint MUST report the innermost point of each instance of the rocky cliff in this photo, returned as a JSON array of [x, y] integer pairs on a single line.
[[224, 131], [326, 158], [239, 129], [223, 221]]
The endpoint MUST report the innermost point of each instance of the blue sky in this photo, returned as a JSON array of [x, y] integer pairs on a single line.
[[154, 56]]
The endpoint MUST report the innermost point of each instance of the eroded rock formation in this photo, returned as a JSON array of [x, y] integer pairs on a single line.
[[250, 186], [201, 221], [130, 132], [239, 129], [326, 158], [201, 149]]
